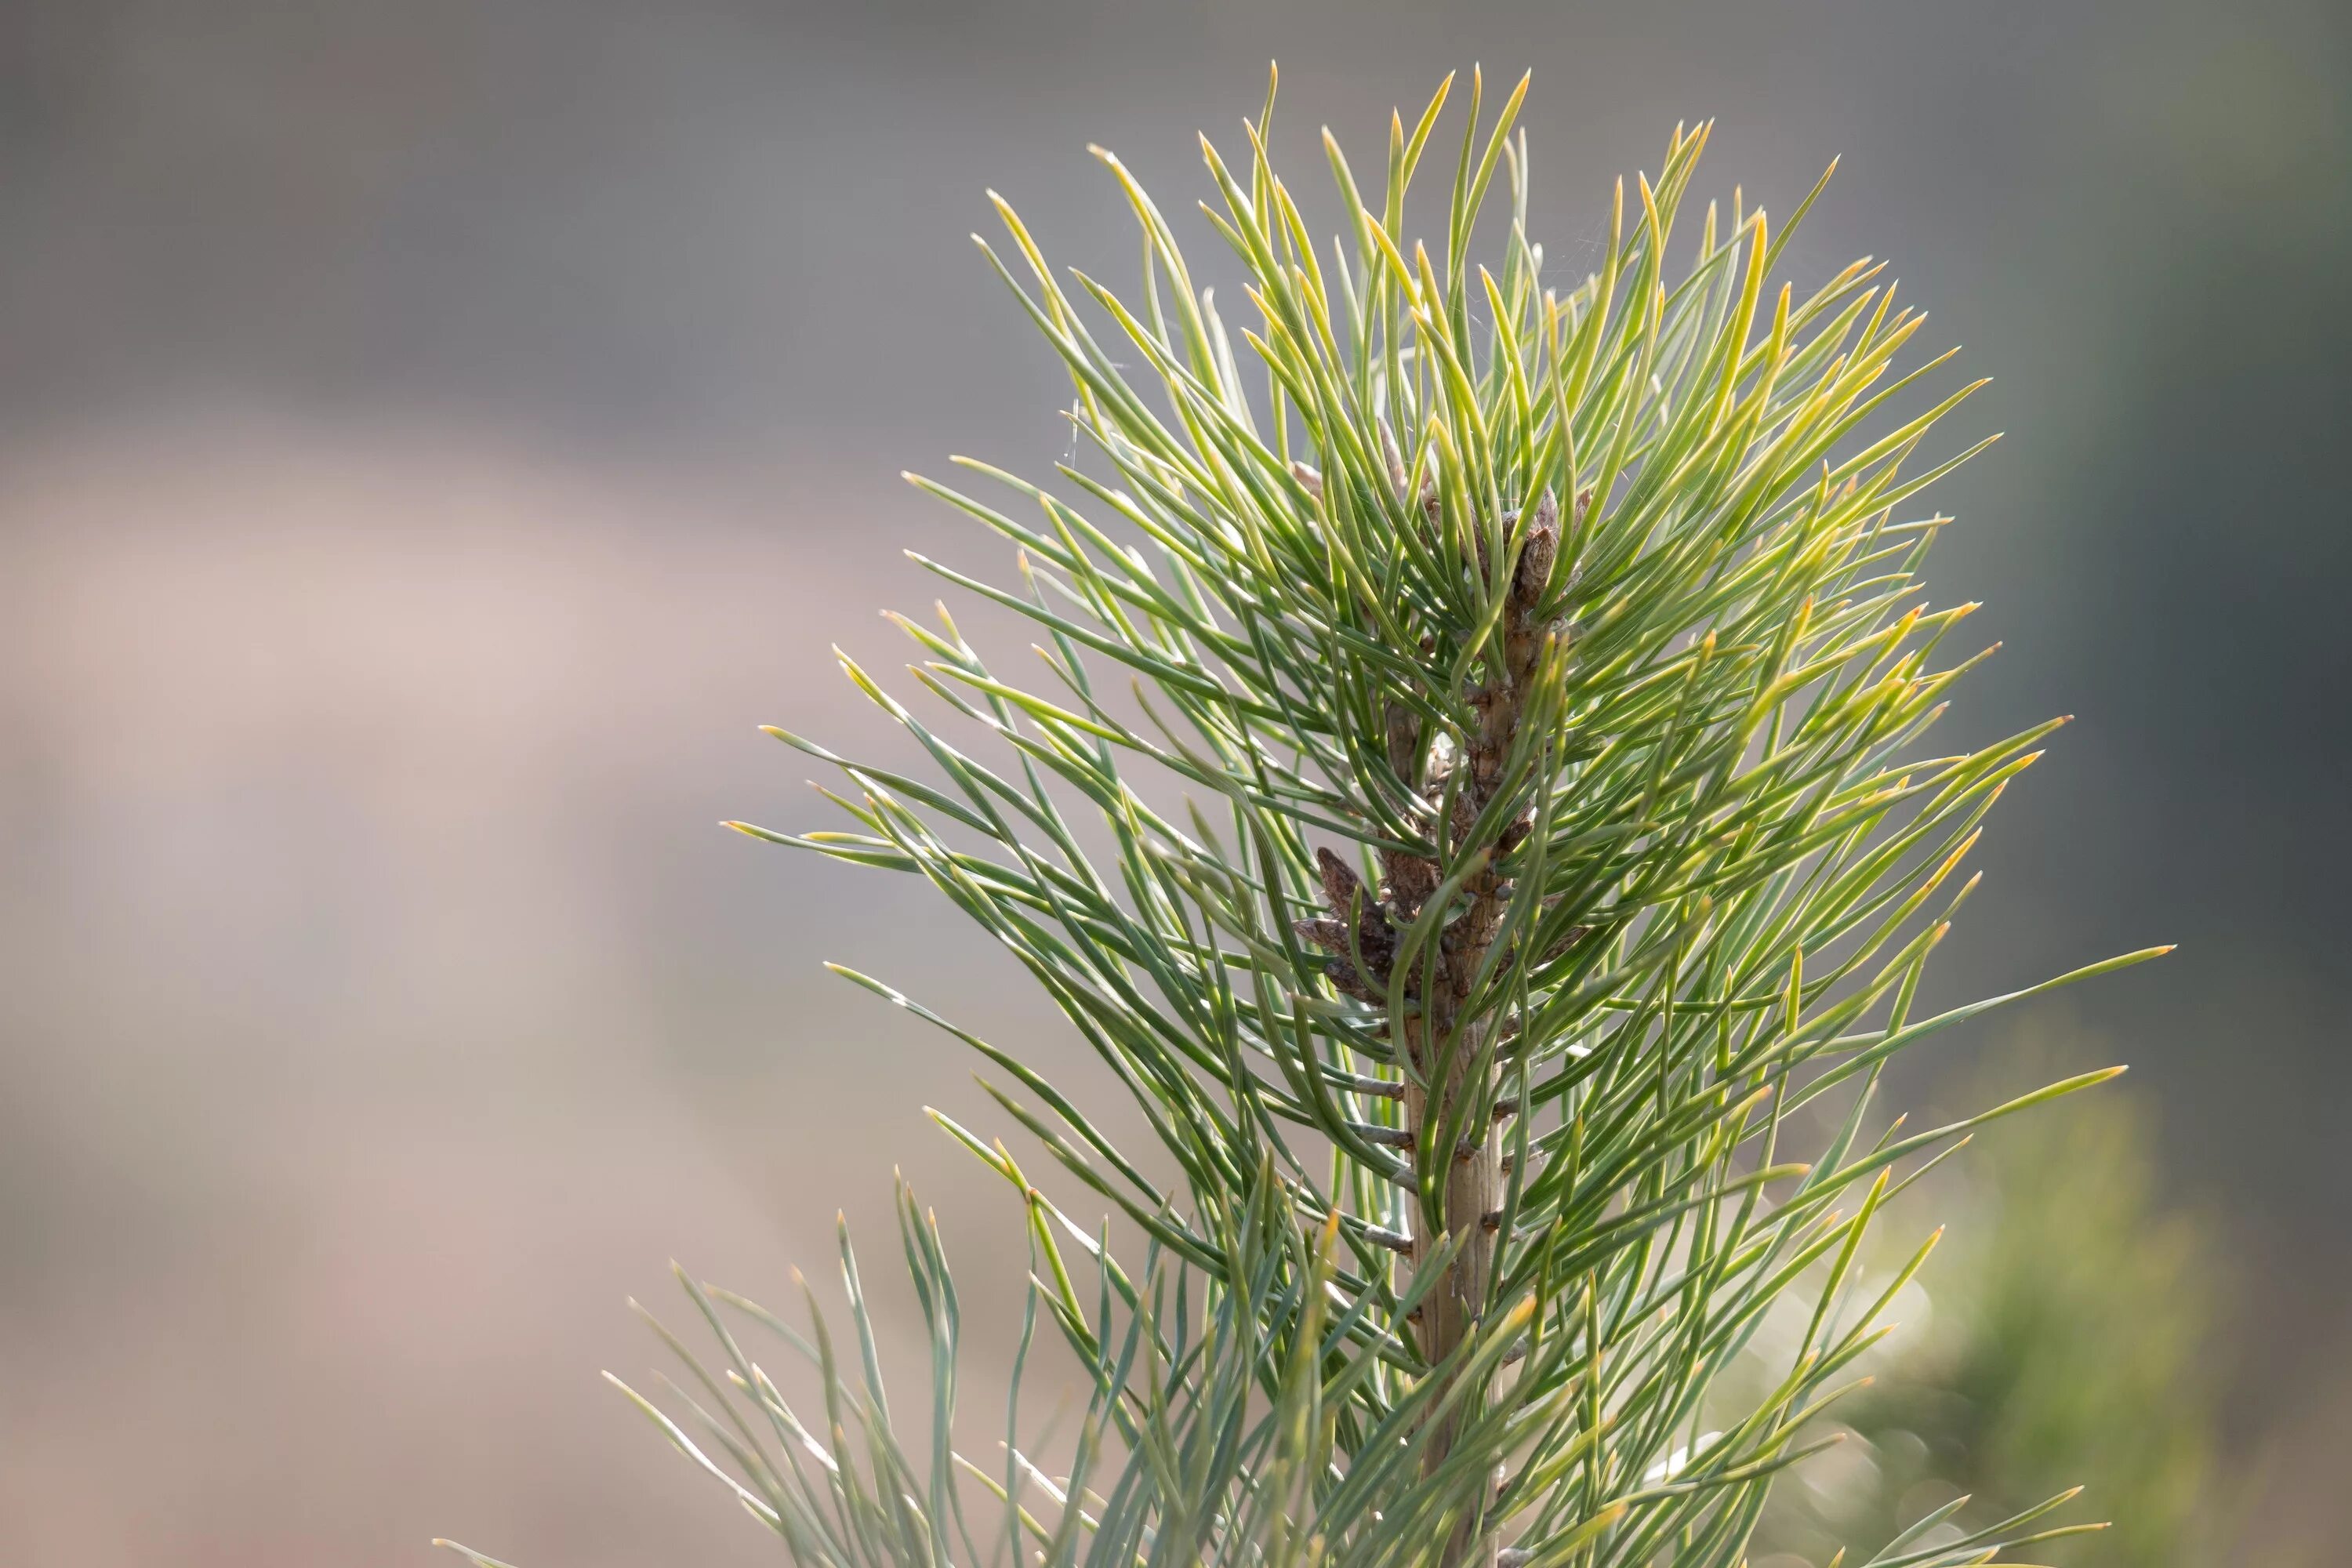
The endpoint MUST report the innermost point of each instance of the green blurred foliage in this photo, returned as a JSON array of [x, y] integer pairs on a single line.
[[2066, 1332]]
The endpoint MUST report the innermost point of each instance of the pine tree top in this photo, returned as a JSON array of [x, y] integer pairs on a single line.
[[1543, 672]]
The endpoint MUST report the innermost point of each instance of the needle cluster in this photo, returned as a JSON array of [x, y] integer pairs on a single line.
[[1476, 808]]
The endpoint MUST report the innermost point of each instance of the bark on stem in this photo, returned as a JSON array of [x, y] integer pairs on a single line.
[[1470, 1181], [1450, 1103]]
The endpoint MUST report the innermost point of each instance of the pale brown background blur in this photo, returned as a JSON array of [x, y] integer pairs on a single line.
[[432, 435]]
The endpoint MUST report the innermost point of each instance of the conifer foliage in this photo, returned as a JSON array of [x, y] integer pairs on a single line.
[[1498, 713]]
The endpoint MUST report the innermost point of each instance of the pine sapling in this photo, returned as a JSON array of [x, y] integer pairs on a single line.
[[1496, 711]]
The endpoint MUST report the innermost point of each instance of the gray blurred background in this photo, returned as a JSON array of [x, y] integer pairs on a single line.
[[433, 434]]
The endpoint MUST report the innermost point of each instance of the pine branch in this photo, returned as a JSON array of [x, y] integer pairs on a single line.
[[1545, 669]]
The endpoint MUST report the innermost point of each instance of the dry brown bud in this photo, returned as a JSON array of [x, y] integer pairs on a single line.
[[1328, 935], [1342, 889], [1538, 555]]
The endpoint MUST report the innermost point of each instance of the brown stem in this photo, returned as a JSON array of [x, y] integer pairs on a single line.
[[1471, 1188]]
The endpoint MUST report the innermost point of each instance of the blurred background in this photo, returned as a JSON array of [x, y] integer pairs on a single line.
[[433, 435]]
